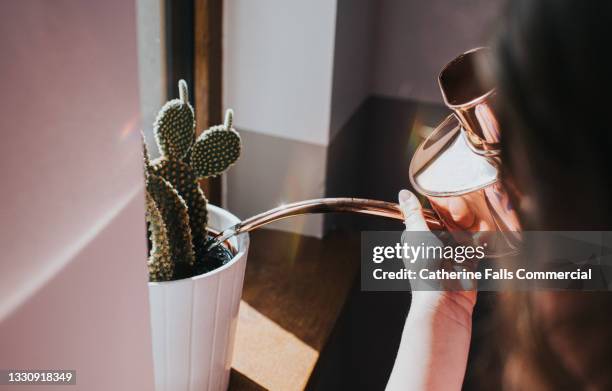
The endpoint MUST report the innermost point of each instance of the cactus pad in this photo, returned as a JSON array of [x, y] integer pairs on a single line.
[[161, 267], [173, 211], [174, 126], [215, 150], [182, 178]]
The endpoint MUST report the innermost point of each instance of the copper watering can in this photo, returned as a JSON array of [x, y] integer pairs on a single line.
[[456, 167]]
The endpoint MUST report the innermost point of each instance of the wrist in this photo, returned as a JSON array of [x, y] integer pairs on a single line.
[[456, 307]]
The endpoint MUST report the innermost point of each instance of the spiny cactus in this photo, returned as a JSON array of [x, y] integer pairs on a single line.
[[176, 205], [175, 125], [216, 149], [173, 211], [160, 263]]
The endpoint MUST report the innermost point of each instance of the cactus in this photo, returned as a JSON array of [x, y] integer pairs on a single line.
[[175, 125], [160, 263], [173, 212], [216, 149], [176, 205]]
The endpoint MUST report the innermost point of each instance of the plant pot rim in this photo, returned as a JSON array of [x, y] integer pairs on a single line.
[[242, 246]]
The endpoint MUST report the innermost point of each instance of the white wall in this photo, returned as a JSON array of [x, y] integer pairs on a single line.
[[73, 280], [277, 66], [414, 39], [151, 65], [278, 58]]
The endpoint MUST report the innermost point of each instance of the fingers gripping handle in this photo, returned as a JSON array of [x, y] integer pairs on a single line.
[[414, 218]]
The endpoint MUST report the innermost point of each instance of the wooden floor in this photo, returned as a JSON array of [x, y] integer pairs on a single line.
[[294, 289]]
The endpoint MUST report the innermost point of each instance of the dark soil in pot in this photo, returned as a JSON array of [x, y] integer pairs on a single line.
[[216, 257]]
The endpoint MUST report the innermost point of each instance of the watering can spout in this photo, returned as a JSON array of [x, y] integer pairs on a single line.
[[324, 205]]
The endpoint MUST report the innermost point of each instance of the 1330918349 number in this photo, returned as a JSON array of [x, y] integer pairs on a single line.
[[30, 376]]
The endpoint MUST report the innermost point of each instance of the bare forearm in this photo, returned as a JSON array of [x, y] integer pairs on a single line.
[[433, 351], [435, 342]]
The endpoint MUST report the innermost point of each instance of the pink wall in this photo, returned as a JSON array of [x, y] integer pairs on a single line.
[[73, 288]]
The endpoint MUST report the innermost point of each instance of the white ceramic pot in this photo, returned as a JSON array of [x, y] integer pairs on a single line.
[[193, 321]]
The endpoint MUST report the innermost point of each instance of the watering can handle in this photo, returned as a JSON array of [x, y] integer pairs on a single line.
[[328, 205]]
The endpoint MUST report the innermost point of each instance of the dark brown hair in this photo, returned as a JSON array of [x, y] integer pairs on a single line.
[[554, 84]]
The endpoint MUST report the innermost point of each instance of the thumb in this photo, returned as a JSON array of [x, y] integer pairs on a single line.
[[411, 209]]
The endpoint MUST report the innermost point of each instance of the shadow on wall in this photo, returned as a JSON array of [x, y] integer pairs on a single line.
[[415, 38], [370, 156]]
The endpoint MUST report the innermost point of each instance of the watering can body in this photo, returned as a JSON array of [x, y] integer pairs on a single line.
[[457, 168]]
